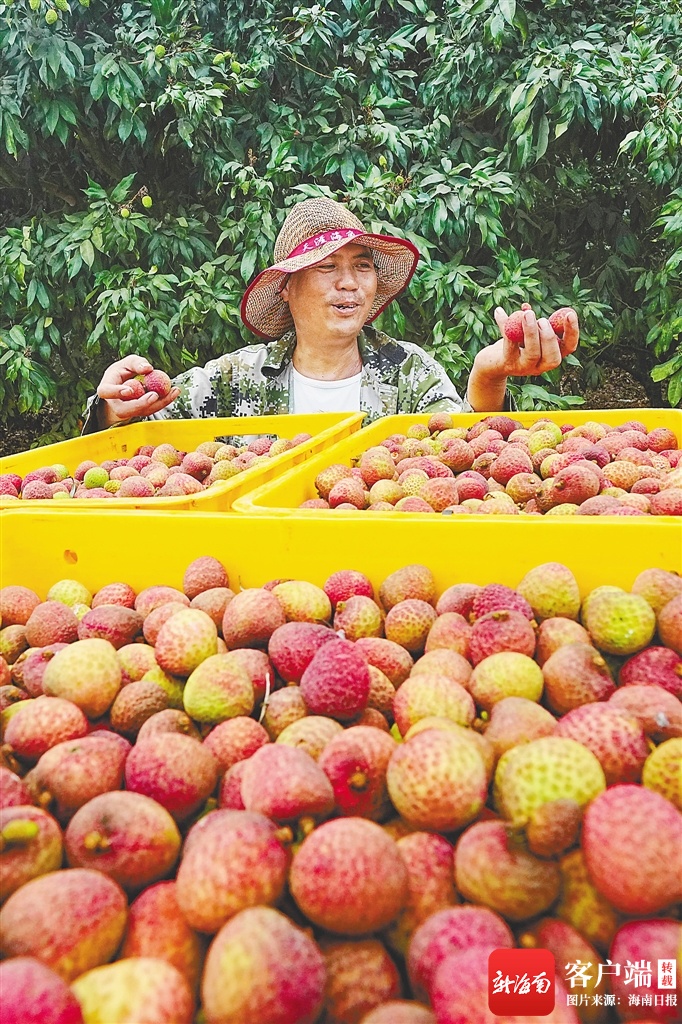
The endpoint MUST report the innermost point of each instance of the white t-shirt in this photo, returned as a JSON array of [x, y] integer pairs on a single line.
[[326, 395]]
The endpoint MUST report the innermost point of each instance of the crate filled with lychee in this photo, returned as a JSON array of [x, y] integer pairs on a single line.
[[154, 471], [498, 466]]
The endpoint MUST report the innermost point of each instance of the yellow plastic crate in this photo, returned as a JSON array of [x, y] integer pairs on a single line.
[[123, 442], [144, 548], [285, 494]]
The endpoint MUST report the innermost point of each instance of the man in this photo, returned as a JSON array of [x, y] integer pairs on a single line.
[[330, 279]]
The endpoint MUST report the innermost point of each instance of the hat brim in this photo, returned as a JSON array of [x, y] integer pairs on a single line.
[[265, 312]]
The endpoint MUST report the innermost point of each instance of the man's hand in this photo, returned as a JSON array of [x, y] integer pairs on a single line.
[[112, 391], [541, 351]]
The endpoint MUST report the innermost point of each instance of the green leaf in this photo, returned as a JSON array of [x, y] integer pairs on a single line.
[[87, 251]]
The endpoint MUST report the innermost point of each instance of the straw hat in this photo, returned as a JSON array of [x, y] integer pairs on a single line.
[[312, 231]]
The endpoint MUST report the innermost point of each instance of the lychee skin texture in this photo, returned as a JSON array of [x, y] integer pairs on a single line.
[[260, 967], [360, 976], [617, 740], [641, 877], [618, 622], [551, 768], [158, 382], [505, 674], [496, 597], [51, 623], [285, 783], [33, 994], [582, 906], [203, 574], [235, 740], [232, 860], [501, 631], [489, 870], [513, 328], [576, 674], [657, 710], [670, 624], [86, 672], [83, 929], [408, 624], [437, 780], [16, 605], [656, 940], [355, 762], [452, 931], [38, 848], [127, 836], [662, 771], [129, 988], [557, 320], [175, 770], [42, 723], [430, 865], [186, 640], [336, 682], [411, 582], [118, 625], [551, 590], [423, 695], [348, 877], [347, 583], [516, 720]]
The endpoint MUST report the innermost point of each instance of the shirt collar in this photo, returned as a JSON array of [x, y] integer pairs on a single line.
[[375, 348]]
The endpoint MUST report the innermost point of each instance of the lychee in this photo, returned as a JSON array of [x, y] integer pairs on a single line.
[[437, 780], [285, 784], [637, 878], [348, 877], [546, 769], [175, 770], [261, 967], [186, 640], [448, 931], [429, 859], [501, 631], [336, 682], [491, 870], [84, 927]]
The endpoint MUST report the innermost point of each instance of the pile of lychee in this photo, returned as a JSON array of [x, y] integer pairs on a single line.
[[295, 803], [154, 471], [499, 467]]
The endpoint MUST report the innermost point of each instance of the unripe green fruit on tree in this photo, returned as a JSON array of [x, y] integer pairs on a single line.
[[236, 67], [383, 162], [400, 180], [125, 212], [8, 3], [62, 5], [51, 17], [34, 4], [159, 51], [84, 3], [219, 58], [147, 202]]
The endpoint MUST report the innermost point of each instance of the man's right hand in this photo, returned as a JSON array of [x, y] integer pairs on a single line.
[[112, 391]]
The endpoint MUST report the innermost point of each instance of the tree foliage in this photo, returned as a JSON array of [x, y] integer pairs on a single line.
[[532, 149]]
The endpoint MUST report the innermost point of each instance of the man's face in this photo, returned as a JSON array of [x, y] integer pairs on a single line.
[[336, 295]]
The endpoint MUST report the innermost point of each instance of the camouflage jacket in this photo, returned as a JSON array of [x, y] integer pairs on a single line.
[[397, 377]]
